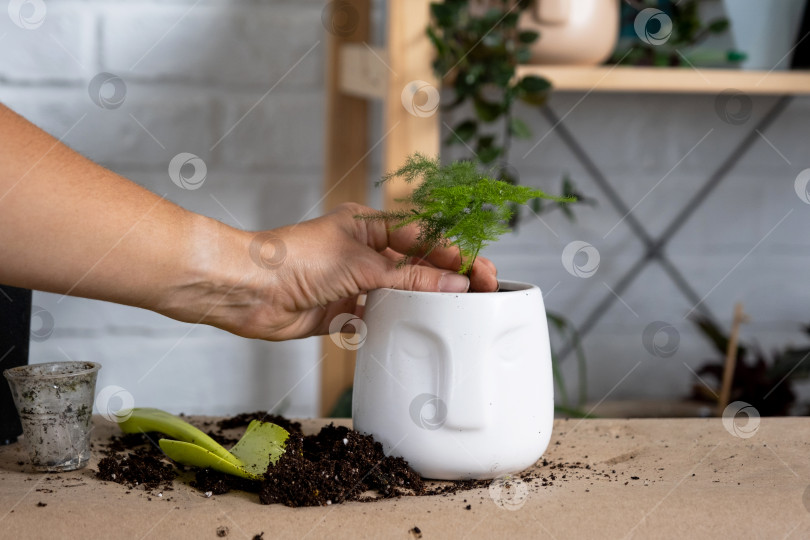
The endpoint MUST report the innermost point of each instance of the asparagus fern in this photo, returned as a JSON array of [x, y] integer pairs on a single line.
[[456, 204]]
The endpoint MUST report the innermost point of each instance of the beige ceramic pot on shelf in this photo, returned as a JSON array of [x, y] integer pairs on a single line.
[[572, 32]]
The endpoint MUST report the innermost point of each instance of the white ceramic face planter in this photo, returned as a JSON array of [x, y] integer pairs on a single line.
[[460, 385]]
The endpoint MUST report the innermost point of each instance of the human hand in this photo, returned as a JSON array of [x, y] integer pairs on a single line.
[[291, 282]]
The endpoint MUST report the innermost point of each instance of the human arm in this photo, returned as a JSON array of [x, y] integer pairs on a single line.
[[72, 227]]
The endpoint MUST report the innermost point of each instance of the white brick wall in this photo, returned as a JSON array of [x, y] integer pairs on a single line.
[[251, 74], [238, 84], [636, 140]]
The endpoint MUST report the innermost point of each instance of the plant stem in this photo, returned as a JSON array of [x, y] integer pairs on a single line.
[[507, 133]]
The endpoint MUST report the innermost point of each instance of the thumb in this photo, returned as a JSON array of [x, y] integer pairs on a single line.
[[427, 279]]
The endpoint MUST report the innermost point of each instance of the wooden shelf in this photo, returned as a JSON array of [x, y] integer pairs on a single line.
[[670, 80], [364, 74], [358, 72]]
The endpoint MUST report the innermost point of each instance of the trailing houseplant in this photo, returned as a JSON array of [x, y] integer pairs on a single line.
[[477, 52]]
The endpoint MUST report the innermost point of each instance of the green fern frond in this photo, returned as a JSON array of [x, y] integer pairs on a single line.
[[456, 204]]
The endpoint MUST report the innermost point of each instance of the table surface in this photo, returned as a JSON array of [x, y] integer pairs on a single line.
[[669, 478]]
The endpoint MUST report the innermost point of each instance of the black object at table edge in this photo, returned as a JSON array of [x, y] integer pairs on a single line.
[[15, 334], [801, 55]]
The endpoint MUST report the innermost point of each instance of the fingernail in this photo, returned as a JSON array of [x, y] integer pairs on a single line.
[[451, 282]]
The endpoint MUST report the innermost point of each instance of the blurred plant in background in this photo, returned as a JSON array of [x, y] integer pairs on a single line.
[[478, 47], [766, 383], [667, 33]]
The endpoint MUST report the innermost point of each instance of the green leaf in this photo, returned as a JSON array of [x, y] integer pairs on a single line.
[[532, 84], [509, 20], [719, 26], [528, 36], [444, 14], [441, 47], [533, 90], [489, 154], [519, 129], [566, 210], [486, 149], [192, 455], [463, 132], [144, 420], [523, 55], [262, 444], [486, 110]]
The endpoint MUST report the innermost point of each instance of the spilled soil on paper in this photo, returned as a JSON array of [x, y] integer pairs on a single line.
[[335, 465]]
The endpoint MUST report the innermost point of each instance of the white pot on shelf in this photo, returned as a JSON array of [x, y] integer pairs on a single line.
[[460, 385], [765, 31]]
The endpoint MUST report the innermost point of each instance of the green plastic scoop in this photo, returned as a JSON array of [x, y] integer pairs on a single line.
[[262, 444]]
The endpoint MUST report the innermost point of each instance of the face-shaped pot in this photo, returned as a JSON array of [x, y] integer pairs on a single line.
[[460, 385]]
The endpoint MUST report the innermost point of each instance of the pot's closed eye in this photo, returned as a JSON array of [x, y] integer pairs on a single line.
[[414, 342], [420, 356]]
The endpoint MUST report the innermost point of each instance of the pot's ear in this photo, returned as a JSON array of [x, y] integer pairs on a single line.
[[552, 11]]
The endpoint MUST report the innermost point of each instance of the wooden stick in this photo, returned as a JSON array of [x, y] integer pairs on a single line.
[[731, 358]]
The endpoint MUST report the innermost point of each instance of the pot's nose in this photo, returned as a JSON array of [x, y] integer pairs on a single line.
[[465, 395]]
